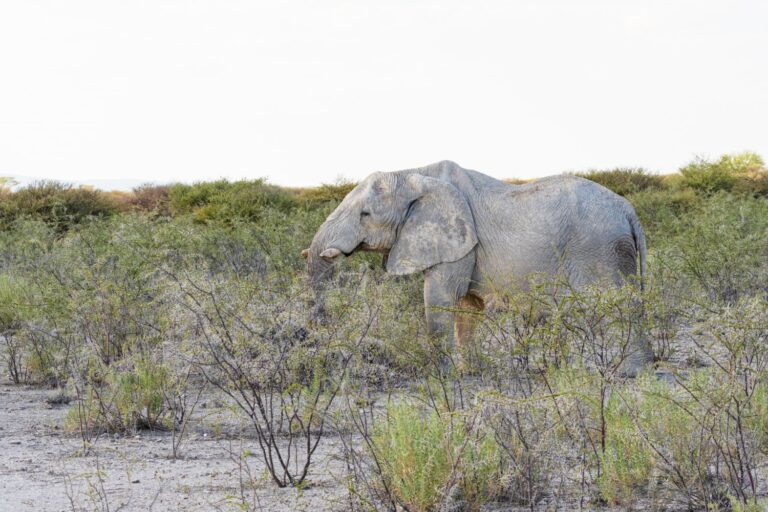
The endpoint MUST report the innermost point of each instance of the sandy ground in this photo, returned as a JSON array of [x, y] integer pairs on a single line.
[[41, 468]]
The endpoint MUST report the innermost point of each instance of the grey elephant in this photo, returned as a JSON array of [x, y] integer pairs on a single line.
[[471, 234]]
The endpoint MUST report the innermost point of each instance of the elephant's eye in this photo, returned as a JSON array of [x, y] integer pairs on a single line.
[[365, 213]]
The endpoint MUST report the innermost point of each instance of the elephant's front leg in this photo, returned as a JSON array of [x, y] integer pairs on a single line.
[[444, 285]]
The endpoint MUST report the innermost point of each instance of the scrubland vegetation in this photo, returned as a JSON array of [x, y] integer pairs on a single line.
[[133, 304]]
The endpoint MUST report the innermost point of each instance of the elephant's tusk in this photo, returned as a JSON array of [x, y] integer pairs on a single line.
[[305, 253], [329, 254]]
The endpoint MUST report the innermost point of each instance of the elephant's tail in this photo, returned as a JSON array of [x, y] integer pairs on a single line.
[[640, 248]]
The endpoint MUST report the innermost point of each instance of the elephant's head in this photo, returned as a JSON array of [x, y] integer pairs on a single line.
[[417, 220]]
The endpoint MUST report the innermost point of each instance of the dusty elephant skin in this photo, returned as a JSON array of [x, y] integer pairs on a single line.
[[470, 233]]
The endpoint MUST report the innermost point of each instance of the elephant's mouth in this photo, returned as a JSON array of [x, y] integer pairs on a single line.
[[365, 247], [362, 246]]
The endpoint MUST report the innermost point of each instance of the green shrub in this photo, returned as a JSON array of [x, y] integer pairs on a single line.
[[706, 432], [417, 460], [720, 246], [24, 243], [55, 203], [324, 194], [14, 304], [138, 397], [660, 211], [752, 506], [757, 421], [223, 200], [527, 426], [687, 428], [709, 177], [627, 461], [124, 397], [625, 181], [740, 163], [663, 416], [425, 454]]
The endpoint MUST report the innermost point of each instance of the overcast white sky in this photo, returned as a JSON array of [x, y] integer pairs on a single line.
[[302, 92]]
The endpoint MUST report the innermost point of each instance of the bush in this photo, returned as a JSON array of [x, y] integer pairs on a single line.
[[534, 446], [704, 431], [152, 199], [124, 397], [324, 194], [627, 462], [660, 211], [223, 200], [57, 204], [708, 177], [256, 344], [12, 302], [719, 248], [754, 182], [13, 305], [425, 454], [626, 180], [138, 392]]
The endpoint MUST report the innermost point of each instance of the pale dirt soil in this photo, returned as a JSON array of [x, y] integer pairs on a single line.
[[41, 468]]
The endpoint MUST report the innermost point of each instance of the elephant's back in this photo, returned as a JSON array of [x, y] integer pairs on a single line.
[[541, 226], [565, 184], [567, 196]]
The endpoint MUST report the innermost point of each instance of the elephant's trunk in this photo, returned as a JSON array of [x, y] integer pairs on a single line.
[[320, 269]]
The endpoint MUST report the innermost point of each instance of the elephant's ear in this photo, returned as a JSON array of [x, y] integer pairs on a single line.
[[438, 227]]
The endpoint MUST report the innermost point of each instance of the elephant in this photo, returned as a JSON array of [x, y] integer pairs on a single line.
[[470, 234]]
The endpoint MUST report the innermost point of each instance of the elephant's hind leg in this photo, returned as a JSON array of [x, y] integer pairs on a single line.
[[639, 354], [469, 309]]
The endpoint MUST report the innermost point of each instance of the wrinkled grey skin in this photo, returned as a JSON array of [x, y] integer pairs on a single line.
[[470, 234]]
